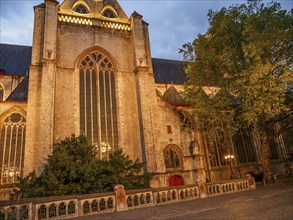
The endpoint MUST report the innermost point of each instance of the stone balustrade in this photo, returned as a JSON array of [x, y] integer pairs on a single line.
[[214, 189], [98, 203], [188, 192], [72, 206], [139, 198]]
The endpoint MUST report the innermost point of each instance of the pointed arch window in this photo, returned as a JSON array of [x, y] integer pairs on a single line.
[[1, 93], [172, 157], [109, 14], [245, 146], [98, 114], [12, 145], [81, 9]]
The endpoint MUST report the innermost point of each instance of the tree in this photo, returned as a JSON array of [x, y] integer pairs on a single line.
[[240, 71], [73, 168]]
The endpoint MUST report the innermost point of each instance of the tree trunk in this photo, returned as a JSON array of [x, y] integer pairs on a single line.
[[265, 156]]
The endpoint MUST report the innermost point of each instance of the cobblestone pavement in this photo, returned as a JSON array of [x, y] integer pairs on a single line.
[[274, 202]]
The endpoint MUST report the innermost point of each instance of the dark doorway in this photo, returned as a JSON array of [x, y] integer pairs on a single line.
[[175, 180]]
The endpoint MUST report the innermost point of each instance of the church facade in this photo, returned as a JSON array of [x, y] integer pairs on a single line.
[[90, 71]]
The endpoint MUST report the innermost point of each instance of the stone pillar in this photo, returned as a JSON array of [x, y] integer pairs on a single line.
[[251, 181], [202, 189], [121, 199], [146, 95], [201, 157], [47, 96]]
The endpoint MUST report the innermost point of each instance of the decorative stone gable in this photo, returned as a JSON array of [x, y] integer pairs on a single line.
[[107, 14]]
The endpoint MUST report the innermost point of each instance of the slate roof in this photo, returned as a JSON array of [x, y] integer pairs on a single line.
[[173, 97], [15, 59], [169, 71], [20, 93]]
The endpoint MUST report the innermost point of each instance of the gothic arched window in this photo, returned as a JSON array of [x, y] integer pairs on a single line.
[[172, 156], [245, 146], [98, 115], [12, 144], [109, 13], [1, 93], [81, 9]]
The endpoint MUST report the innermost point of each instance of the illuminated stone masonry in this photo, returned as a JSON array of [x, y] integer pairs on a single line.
[[91, 72], [94, 22], [75, 19]]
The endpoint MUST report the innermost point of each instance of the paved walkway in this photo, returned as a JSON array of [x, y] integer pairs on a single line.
[[274, 202]]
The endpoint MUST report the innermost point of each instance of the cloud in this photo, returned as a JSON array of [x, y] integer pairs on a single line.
[[16, 22], [171, 23]]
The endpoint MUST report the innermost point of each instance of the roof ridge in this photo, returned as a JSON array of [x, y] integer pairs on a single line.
[[16, 45], [155, 58]]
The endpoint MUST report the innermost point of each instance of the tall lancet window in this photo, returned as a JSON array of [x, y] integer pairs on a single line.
[[12, 141], [98, 115], [1, 93]]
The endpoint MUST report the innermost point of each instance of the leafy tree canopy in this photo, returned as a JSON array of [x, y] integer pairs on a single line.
[[73, 168], [240, 70]]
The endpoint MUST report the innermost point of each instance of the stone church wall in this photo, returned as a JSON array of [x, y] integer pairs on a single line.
[[73, 43], [181, 136]]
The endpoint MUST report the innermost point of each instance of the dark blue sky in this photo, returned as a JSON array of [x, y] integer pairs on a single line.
[[172, 22]]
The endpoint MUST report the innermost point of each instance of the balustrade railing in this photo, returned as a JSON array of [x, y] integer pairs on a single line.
[[73, 206], [213, 189], [100, 203], [139, 198]]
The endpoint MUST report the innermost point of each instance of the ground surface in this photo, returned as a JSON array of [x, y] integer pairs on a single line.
[[272, 202]]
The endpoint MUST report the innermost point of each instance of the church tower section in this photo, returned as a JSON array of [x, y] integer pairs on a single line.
[[91, 74], [147, 102], [41, 98]]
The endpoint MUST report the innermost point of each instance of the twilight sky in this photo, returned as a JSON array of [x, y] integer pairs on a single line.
[[172, 22]]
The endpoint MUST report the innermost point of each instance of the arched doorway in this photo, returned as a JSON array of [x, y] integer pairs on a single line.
[[175, 180]]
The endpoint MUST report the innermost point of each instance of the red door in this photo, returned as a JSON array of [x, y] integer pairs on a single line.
[[175, 180]]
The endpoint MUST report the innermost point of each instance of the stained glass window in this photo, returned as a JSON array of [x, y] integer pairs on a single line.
[[216, 147], [172, 157], [244, 146], [98, 114], [274, 150], [12, 143], [81, 9], [109, 14]]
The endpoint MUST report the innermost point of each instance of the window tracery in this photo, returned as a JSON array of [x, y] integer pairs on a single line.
[[98, 114], [187, 122], [81, 9], [244, 146], [216, 146], [109, 14], [172, 157], [12, 144]]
